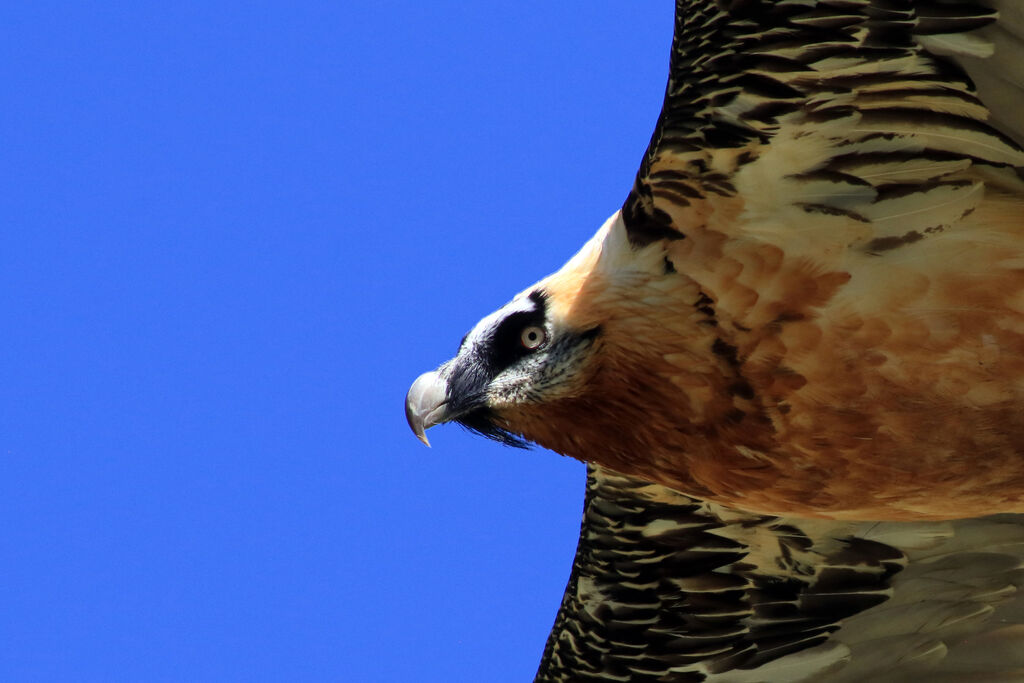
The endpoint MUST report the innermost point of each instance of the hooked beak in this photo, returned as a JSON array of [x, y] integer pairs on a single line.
[[426, 404]]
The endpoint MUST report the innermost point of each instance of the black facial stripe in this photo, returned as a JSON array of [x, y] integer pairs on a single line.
[[506, 346]]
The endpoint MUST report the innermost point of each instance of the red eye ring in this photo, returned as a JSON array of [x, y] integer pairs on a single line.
[[532, 337]]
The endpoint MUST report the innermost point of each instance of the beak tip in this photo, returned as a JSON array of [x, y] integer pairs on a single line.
[[424, 404]]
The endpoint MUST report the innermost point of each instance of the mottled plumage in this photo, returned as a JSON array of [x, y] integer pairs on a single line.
[[808, 315], [666, 587]]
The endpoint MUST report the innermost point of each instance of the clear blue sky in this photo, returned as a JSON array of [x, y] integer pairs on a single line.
[[233, 234]]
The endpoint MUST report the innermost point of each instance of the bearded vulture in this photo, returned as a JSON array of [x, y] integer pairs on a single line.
[[793, 360]]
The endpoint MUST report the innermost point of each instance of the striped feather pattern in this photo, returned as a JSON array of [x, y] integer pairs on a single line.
[[847, 89], [665, 587]]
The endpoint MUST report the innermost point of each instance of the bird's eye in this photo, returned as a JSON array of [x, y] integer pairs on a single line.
[[532, 337]]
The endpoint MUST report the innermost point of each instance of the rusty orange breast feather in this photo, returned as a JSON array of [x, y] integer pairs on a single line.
[[852, 388]]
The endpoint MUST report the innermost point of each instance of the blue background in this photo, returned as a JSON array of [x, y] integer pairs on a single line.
[[233, 234]]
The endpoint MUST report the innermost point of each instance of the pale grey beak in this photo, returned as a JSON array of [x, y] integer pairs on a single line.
[[426, 404]]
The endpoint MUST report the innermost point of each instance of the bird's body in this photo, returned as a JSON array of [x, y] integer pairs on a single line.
[[827, 322], [864, 386], [810, 307]]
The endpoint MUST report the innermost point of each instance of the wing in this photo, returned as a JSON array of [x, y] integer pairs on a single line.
[[843, 108], [665, 587]]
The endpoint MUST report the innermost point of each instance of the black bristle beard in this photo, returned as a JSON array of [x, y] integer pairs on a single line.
[[481, 421]]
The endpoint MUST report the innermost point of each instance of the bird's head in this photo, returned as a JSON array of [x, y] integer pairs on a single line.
[[573, 357], [524, 354], [530, 359]]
